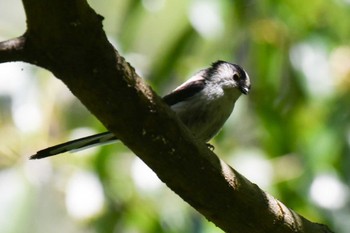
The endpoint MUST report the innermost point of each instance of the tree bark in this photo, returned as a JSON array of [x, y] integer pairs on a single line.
[[66, 37]]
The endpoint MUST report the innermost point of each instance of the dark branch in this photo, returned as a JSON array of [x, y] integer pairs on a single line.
[[13, 50]]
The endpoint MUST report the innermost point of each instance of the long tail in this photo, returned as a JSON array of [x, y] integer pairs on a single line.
[[78, 144]]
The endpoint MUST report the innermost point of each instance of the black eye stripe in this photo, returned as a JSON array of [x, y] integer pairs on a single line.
[[241, 72]]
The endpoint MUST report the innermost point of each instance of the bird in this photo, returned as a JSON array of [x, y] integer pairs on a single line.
[[203, 103]]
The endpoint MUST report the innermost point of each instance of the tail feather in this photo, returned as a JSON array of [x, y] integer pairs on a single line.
[[75, 145]]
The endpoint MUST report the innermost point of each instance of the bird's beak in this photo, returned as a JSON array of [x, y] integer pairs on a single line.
[[244, 89]]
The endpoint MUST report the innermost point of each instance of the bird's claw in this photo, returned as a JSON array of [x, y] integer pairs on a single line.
[[210, 146]]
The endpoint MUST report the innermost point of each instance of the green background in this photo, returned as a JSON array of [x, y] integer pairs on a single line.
[[290, 135]]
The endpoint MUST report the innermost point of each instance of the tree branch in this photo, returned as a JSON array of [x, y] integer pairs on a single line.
[[71, 43], [12, 50]]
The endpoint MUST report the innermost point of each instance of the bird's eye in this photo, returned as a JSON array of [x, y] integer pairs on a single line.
[[235, 77]]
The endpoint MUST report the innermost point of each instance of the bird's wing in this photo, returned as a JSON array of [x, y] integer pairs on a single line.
[[74, 145], [186, 90]]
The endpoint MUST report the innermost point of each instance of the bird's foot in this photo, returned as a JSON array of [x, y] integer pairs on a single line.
[[210, 146]]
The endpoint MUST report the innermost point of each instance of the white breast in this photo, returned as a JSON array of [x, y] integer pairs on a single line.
[[205, 113]]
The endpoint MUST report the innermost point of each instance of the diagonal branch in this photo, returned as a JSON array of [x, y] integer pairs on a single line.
[[71, 44]]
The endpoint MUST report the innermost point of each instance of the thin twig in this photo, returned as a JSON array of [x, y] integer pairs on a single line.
[[13, 50]]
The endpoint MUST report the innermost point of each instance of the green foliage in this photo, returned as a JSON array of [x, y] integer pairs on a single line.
[[291, 135]]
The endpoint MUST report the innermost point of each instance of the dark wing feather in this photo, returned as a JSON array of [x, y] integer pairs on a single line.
[[185, 91]]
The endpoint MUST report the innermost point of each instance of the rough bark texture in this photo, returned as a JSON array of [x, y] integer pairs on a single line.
[[71, 43]]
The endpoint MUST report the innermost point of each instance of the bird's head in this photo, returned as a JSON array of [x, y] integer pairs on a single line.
[[228, 76]]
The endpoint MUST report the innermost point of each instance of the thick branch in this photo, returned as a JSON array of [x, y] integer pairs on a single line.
[[70, 42]]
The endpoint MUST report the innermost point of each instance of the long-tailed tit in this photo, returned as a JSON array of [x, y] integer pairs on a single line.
[[203, 103]]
